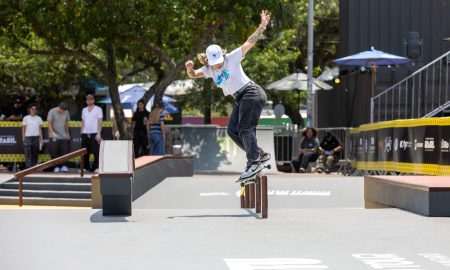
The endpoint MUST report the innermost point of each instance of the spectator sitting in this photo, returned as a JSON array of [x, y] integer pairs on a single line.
[[330, 148], [32, 136], [308, 150], [58, 133], [17, 111]]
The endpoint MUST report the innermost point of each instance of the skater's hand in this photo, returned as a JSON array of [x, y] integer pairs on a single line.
[[265, 18], [189, 65], [193, 74]]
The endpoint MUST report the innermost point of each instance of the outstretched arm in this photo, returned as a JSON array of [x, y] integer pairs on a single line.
[[192, 73], [251, 41]]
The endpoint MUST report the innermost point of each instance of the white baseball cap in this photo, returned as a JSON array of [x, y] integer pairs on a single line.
[[214, 54]]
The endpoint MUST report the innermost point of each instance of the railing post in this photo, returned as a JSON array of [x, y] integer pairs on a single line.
[[247, 197], [20, 191], [258, 195], [264, 199], [242, 199], [371, 109], [252, 195], [82, 165]]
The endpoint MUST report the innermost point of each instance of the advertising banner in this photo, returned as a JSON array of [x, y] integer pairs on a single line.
[[11, 143]]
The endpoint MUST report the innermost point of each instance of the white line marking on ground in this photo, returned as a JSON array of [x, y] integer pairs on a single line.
[[386, 261], [274, 264]]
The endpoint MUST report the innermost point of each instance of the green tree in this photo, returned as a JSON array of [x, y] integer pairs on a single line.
[[159, 35]]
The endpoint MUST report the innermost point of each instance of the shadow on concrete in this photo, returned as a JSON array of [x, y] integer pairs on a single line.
[[212, 216], [98, 217], [250, 213]]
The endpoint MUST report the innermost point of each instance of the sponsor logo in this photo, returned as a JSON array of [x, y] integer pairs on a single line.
[[417, 144], [445, 145], [429, 144], [387, 144], [396, 144], [405, 144], [8, 140]]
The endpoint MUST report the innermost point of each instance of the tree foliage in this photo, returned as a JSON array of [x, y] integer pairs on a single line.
[[123, 41]]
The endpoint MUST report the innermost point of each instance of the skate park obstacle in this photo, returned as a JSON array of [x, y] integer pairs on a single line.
[[116, 174], [255, 196]]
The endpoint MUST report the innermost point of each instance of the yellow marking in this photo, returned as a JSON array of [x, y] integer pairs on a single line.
[[242, 192], [45, 124]]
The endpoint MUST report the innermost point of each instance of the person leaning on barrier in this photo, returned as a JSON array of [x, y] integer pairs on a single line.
[[58, 133], [155, 125], [329, 149], [308, 151]]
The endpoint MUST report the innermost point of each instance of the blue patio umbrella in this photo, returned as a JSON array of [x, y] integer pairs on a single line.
[[168, 107], [372, 59], [130, 97]]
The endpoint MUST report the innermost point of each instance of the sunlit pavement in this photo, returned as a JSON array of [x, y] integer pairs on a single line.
[[315, 222]]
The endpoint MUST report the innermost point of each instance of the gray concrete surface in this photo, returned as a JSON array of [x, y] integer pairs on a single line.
[[190, 223]]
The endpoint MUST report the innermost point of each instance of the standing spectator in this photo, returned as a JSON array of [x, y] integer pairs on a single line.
[[58, 133], [329, 149], [32, 136], [17, 111], [139, 126], [91, 128], [308, 150], [156, 127]]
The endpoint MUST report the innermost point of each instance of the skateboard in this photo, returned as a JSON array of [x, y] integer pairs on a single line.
[[252, 180]]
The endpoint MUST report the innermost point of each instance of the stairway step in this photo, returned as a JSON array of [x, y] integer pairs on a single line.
[[47, 193], [5, 200], [48, 186], [57, 178]]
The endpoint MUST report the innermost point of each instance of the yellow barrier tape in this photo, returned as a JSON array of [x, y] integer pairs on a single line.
[[413, 168], [41, 158], [440, 121], [45, 124]]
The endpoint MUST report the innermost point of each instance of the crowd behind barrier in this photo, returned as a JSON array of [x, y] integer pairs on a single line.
[[11, 144], [286, 138]]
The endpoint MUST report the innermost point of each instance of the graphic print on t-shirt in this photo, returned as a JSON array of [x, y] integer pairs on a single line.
[[224, 75]]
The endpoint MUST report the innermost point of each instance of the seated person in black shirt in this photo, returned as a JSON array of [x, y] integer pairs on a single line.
[[308, 150], [17, 111], [329, 149]]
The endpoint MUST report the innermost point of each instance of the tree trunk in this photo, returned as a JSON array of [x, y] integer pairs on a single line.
[[295, 116], [119, 115], [207, 102]]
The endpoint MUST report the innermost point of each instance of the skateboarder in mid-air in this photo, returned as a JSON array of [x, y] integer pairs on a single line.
[[226, 71]]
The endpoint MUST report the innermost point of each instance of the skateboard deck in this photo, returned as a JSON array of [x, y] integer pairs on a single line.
[[252, 180]]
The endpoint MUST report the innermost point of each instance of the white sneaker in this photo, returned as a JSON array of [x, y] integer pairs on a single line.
[[56, 170], [251, 171], [64, 169], [96, 171]]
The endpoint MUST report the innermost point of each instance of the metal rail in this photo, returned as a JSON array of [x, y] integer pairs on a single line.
[[415, 96]]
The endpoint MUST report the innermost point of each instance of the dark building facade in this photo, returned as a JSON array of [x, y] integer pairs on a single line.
[[383, 24]]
